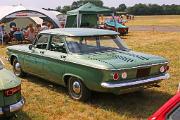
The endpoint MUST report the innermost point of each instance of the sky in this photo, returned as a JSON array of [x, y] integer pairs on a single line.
[[55, 3]]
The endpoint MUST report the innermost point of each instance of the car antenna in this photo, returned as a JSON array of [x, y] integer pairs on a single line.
[[178, 88]]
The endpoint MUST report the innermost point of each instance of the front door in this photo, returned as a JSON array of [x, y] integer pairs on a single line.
[[55, 62], [35, 59]]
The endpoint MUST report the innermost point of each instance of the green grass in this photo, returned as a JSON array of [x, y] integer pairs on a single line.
[[46, 101], [158, 20]]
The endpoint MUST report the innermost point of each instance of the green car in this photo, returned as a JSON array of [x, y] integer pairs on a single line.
[[85, 60], [11, 100]]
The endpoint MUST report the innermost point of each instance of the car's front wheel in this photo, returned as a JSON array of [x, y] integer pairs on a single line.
[[17, 68], [77, 90]]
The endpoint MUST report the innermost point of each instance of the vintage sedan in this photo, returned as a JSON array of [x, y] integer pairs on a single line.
[[11, 100], [85, 60], [116, 26]]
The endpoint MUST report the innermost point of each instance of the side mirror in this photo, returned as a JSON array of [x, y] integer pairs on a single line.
[[30, 47]]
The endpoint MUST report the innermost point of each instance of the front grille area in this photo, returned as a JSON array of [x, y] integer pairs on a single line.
[[143, 72]]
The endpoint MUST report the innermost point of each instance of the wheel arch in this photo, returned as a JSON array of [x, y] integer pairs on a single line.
[[69, 75], [12, 57]]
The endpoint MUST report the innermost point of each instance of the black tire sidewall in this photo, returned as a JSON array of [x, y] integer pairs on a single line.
[[84, 92]]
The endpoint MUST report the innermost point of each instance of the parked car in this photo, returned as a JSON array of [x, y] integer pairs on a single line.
[[116, 26], [170, 110], [11, 100], [85, 60]]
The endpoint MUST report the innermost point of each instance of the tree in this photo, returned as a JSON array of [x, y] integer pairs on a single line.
[[155, 9], [58, 8], [139, 9], [95, 2], [121, 8], [74, 5], [113, 9], [77, 4], [65, 9]]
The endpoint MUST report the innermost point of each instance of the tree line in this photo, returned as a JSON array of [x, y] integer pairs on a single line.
[[154, 9], [137, 9]]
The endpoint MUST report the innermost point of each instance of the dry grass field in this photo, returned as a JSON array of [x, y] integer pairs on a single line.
[[160, 20], [46, 101]]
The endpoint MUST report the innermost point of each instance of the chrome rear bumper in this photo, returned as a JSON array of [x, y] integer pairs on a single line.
[[138, 82], [14, 107]]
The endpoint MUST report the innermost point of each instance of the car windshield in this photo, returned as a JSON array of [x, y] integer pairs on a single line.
[[95, 44]]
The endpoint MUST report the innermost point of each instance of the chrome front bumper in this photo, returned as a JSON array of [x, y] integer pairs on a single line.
[[14, 107], [138, 82]]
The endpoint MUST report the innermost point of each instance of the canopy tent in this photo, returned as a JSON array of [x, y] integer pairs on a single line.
[[10, 12], [85, 16], [24, 16], [89, 8]]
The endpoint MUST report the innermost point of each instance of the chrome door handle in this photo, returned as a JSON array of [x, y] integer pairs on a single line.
[[63, 56]]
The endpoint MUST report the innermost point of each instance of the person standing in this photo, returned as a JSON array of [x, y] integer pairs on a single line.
[[37, 29], [44, 26], [31, 33], [50, 26], [18, 35]]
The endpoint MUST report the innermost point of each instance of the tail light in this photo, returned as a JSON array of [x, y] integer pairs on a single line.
[[164, 69], [115, 76], [12, 91]]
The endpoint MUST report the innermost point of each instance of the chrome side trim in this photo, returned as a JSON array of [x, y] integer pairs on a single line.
[[97, 67], [142, 66], [126, 84], [15, 107]]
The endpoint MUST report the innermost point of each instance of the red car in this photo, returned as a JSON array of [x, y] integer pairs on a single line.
[[170, 110]]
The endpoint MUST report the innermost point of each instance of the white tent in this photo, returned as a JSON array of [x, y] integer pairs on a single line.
[[10, 13], [33, 13]]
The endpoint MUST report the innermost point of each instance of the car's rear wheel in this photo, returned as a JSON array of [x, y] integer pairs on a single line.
[[17, 68], [77, 90]]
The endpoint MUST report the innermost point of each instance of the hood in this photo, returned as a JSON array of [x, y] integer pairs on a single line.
[[8, 80], [121, 59]]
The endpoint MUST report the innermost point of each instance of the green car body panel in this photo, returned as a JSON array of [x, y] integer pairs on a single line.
[[13, 102], [94, 69]]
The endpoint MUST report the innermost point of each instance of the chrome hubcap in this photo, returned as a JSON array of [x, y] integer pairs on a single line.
[[76, 87], [17, 67]]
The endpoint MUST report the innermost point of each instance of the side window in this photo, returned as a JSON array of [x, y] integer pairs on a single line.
[[57, 44], [42, 41], [175, 114]]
